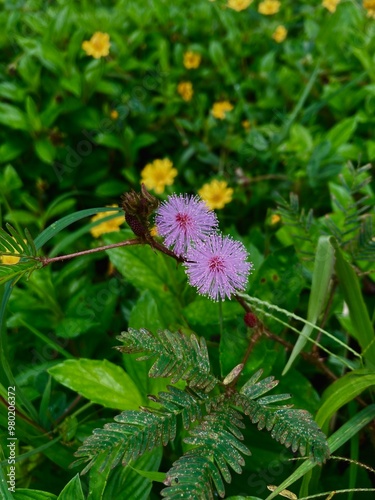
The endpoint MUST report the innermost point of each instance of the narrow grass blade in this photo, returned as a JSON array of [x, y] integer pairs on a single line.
[[341, 392], [363, 330], [346, 432], [323, 267], [66, 221]]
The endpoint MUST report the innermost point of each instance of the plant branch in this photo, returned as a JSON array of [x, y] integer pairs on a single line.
[[48, 260]]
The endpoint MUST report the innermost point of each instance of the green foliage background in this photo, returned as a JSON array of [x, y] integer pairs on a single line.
[[310, 102]]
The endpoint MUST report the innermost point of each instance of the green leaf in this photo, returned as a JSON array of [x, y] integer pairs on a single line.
[[341, 392], [340, 437], [178, 356], [72, 490], [153, 313], [342, 132], [129, 482], [32, 114], [61, 224], [27, 494], [110, 140], [11, 149], [12, 117], [159, 477], [206, 312], [323, 267], [4, 491], [16, 271], [363, 329], [99, 381], [9, 180], [45, 150], [279, 281], [12, 92]]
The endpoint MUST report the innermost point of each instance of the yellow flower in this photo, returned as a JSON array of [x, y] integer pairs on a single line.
[[154, 231], [275, 219], [220, 108], [108, 226], [246, 125], [239, 5], [192, 60], [269, 7], [369, 5], [10, 259], [330, 5], [280, 34], [158, 174], [114, 114], [97, 46], [216, 194], [185, 89]]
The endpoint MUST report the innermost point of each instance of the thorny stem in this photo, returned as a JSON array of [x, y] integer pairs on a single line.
[[48, 260], [136, 241]]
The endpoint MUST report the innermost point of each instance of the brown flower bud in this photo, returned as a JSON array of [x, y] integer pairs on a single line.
[[138, 207]]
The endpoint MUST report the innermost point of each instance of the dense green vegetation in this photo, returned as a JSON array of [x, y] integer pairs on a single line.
[[120, 377]]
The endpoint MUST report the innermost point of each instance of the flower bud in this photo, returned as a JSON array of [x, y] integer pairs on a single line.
[[250, 320], [138, 207]]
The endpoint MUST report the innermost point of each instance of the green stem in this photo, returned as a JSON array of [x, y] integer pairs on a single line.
[[221, 318], [298, 107]]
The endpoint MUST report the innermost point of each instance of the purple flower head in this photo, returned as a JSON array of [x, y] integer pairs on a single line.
[[183, 220], [218, 266]]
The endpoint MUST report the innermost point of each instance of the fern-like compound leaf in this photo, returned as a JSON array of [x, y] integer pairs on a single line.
[[366, 241], [178, 356], [217, 445], [191, 477], [13, 244], [295, 429], [135, 432]]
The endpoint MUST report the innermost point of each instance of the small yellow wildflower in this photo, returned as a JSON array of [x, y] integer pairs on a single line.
[[280, 34], [239, 5], [10, 259], [216, 194], [154, 231], [330, 5], [192, 60], [158, 174], [275, 219], [97, 46], [219, 109], [369, 5], [114, 114], [108, 226], [269, 7], [185, 89], [246, 124]]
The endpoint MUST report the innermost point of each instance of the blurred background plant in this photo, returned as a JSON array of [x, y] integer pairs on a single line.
[[240, 102]]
